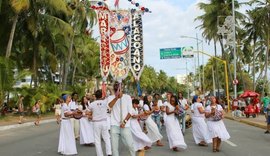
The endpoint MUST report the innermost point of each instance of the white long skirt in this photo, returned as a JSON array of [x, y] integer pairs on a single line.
[[199, 130], [139, 137], [67, 144], [86, 131], [217, 129], [174, 133], [152, 129]]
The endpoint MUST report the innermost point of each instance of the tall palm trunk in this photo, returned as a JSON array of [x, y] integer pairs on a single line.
[[266, 62], [74, 74], [67, 64], [11, 36], [35, 68], [253, 63]]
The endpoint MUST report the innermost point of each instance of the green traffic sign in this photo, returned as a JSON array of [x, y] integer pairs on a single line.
[[170, 53]]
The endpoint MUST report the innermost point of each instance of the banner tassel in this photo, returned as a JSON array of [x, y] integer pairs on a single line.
[[139, 89]]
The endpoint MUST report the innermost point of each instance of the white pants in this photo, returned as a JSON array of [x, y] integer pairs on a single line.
[[101, 129], [76, 127]]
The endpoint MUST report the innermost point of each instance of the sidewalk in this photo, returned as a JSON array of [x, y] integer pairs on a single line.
[[12, 121], [257, 122]]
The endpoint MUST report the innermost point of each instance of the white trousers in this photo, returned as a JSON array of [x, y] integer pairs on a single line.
[[76, 127], [101, 130]]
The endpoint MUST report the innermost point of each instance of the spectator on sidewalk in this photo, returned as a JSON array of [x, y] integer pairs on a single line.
[[265, 102], [57, 109], [21, 109], [268, 120], [36, 110]]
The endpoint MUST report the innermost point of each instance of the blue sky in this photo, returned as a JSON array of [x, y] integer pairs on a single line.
[[162, 28]]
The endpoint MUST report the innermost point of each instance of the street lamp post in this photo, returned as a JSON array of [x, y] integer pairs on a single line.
[[234, 51]]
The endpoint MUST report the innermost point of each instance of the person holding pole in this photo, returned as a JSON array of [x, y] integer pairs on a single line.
[[121, 110]]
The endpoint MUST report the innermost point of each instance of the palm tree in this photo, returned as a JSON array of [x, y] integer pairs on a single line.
[[214, 10], [253, 32], [262, 14], [79, 22], [34, 21], [18, 7]]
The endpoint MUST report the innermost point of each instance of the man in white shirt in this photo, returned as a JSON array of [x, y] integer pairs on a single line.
[[98, 110], [184, 104], [73, 105], [121, 109]]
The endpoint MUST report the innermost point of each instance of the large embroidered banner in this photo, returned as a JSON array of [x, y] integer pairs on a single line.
[[136, 54], [103, 20], [120, 43]]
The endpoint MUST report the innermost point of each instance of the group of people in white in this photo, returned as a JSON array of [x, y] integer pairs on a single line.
[[138, 122]]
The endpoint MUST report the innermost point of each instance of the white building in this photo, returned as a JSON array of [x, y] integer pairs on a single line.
[[181, 78]]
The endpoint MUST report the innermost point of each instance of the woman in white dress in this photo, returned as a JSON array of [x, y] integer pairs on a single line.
[[199, 127], [152, 128], [216, 128], [173, 129], [67, 144], [86, 126], [141, 140]]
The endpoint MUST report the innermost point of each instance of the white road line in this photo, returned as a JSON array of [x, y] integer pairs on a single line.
[[230, 143], [3, 135]]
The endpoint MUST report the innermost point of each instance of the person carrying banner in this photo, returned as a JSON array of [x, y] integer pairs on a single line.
[[121, 109]]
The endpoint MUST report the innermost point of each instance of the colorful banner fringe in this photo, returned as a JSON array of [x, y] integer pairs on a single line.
[[143, 9], [136, 55], [120, 43], [103, 20]]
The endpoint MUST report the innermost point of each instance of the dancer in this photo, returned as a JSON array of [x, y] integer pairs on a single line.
[[174, 133], [98, 111], [141, 140], [86, 126], [152, 129], [67, 144], [199, 127], [216, 128], [73, 107]]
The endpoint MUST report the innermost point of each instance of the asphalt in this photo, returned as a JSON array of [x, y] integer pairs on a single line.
[[259, 121]]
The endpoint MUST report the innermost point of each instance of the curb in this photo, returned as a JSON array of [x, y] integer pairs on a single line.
[[2, 128], [259, 125]]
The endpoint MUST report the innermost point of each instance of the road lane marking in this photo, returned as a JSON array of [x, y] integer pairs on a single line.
[[3, 135], [230, 143]]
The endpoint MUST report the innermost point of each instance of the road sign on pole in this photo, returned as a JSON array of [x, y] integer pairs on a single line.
[[170, 53], [187, 52]]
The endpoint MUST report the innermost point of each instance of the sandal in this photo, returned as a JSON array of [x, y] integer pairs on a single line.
[[175, 149]]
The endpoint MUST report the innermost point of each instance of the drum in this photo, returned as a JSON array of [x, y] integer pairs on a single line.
[[78, 114], [119, 42]]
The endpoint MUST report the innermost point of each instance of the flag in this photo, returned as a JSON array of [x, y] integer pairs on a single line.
[[116, 3]]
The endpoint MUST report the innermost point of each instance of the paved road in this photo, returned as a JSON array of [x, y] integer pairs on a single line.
[[43, 140]]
